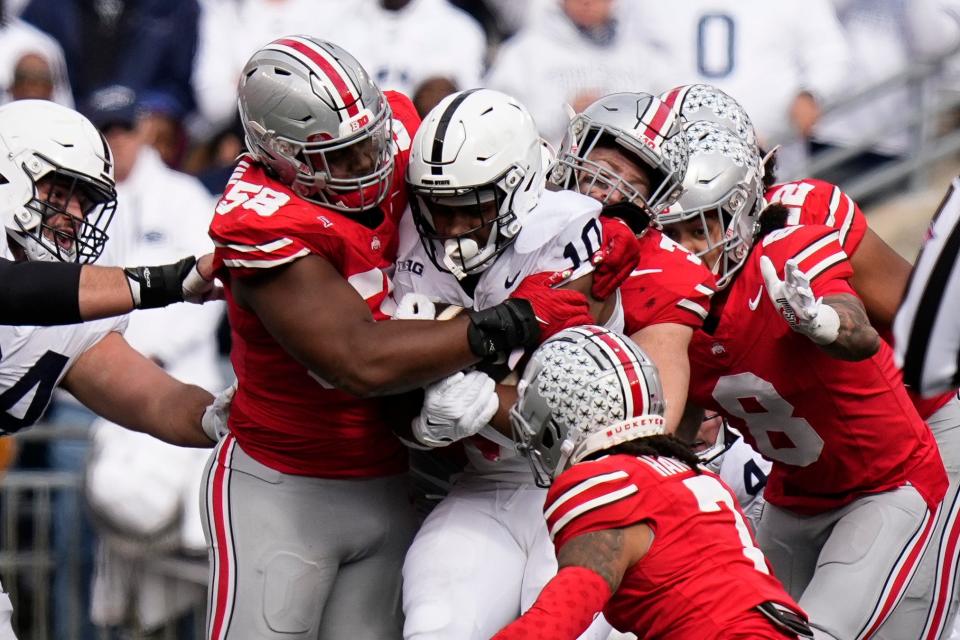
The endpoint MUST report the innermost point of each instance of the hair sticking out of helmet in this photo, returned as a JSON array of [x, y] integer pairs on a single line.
[[625, 147], [313, 116], [476, 172], [57, 196], [586, 389], [722, 196]]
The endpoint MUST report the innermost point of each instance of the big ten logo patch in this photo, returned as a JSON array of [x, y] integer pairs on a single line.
[[413, 266], [359, 123]]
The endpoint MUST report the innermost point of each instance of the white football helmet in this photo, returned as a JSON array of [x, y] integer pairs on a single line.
[[476, 150], [637, 124], [705, 102], [42, 140], [724, 178], [584, 390], [312, 114]]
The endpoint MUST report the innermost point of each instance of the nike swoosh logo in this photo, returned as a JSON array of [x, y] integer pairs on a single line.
[[756, 301], [508, 282]]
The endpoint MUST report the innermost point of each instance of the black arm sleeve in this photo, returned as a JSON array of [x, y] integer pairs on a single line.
[[39, 293]]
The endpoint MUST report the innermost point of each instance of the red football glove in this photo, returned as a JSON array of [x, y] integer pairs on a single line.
[[616, 259], [555, 309]]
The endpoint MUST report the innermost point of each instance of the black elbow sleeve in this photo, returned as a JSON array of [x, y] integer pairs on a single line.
[[39, 293]]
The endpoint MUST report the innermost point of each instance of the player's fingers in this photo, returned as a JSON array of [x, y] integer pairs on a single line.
[[770, 276]]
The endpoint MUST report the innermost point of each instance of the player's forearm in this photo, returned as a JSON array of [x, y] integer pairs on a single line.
[[381, 358], [175, 416], [103, 293], [507, 394], [564, 609], [856, 337], [667, 344]]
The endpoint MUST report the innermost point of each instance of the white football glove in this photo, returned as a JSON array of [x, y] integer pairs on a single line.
[[794, 299], [214, 420], [456, 407], [415, 306]]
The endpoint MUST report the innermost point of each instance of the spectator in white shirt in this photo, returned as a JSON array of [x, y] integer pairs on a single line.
[[575, 53], [231, 30], [160, 212], [781, 60], [23, 45], [403, 43]]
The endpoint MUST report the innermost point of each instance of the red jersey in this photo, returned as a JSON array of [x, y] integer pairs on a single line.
[[668, 285], [703, 574], [283, 415], [816, 202], [835, 430]]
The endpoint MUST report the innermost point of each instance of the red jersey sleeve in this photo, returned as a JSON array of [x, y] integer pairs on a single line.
[[592, 496], [669, 285], [816, 202], [818, 253]]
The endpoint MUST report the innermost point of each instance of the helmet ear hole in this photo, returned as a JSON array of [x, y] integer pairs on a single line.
[[548, 439]]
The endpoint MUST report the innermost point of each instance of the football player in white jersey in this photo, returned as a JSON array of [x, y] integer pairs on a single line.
[[58, 183], [57, 285], [485, 226]]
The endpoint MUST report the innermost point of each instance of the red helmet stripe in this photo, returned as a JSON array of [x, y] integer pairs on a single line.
[[672, 97], [331, 71], [656, 126], [636, 383]]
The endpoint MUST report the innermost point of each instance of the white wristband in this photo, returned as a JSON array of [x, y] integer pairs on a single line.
[[825, 328]]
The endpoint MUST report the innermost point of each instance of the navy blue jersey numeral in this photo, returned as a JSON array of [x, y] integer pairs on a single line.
[[716, 35], [43, 375]]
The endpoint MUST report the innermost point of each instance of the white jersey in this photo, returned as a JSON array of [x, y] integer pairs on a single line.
[[745, 471], [562, 232], [33, 361]]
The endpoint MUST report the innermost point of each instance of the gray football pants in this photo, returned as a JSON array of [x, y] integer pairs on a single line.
[[848, 568], [299, 558], [932, 596]]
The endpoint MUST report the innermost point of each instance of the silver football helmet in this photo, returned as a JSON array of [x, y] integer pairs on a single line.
[[51, 155], [639, 125], [312, 114], [477, 151], [584, 390], [724, 178], [696, 102]]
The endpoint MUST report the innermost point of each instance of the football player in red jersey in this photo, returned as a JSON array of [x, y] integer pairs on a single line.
[[628, 507], [626, 151], [879, 279], [849, 506], [306, 505]]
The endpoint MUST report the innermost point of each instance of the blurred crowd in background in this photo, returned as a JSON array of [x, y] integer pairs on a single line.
[[159, 78]]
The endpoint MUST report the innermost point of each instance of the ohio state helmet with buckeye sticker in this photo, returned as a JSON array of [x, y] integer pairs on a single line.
[[312, 114], [584, 390]]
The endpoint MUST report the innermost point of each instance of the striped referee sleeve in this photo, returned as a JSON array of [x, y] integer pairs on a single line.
[[927, 325]]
